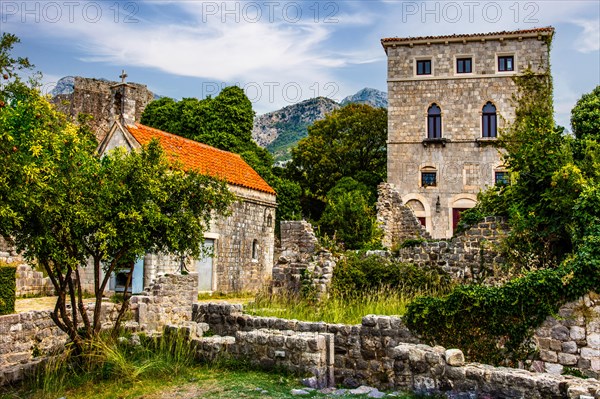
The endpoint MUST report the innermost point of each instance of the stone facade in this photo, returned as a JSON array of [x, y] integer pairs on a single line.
[[96, 97], [463, 161], [300, 258], [571, 338]]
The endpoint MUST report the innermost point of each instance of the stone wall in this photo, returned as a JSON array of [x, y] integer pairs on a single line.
[[168, 300], [361, 352], [95, 97], [8, 252], [398, 221], [381, 352], [28, 338], [30, 282], [472, 256], [571, 338], [299, 259]]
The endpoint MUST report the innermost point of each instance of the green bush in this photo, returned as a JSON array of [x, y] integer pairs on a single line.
[[495, 324], [357, 274], [7, 288]]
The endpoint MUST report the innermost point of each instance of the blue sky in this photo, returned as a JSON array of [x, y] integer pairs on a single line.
[[281, 52]]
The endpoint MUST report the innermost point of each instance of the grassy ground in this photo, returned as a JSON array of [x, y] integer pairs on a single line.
[[347, 310], [198, 382]]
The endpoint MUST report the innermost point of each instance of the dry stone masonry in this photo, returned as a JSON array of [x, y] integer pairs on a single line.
[[472, 256], [397, 220], [30, 282], [301, 261], [571, 339], [380, 352]]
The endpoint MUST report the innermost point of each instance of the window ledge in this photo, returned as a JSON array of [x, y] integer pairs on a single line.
[[441, 141], [486, 141]]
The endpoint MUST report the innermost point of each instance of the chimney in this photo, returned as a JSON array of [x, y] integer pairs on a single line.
[[123, 102]]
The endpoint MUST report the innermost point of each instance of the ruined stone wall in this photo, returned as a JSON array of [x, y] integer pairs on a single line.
[[472, 256], [398, 222], [168, 300], [381, 352], [571, 339], [28, 338], [94, 97], [300, 258], [360, 351], [464, 163], [31, 282], [8, 252]]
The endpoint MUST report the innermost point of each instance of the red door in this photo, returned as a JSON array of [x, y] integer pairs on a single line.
[[423, 222], [456, 216]]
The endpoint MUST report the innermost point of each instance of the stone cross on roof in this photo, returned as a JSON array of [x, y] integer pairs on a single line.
[[123, 76]]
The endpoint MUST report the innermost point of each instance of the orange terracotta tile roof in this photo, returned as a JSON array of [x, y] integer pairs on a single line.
[[203, 158], [548, 30]]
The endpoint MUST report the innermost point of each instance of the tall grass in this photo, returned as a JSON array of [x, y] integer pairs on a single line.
[[106, 359], [340, 308]]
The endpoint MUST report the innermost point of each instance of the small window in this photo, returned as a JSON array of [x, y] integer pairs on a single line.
[[506, 63], [501, 178], [269, 221], [429, 179], [423, 67], [434, 122], [255, 250], [489, 121], [463, 65]]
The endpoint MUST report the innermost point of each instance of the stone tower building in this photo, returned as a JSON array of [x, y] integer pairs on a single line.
[[449, 97]]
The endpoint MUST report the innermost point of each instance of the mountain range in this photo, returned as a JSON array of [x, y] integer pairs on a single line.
[[278, 131]]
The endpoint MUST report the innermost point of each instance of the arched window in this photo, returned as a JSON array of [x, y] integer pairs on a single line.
[[434, 122], [488, 121], [255, 250]]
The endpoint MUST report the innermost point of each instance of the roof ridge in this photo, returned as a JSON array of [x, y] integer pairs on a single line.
[[137, 124], [463, 35]]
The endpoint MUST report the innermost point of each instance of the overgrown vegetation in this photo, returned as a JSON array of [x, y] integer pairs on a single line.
[[553, 209], [361, 285], [7, 288]]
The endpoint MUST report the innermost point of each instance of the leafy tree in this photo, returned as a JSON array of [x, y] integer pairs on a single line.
[[223, 122], [585, 116], [349, 142], [63, 205], [349, 217]]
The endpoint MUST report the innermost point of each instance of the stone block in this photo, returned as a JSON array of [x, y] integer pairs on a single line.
[[577, 333], [560, 333], [548, 356], [569, 347], [454, 357], [567, 359]]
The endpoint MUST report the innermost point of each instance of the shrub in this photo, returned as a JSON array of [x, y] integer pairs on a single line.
[[357, 274], [7, 288], [495, 324]]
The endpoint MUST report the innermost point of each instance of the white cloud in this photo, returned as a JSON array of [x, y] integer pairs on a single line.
[[589, 39]]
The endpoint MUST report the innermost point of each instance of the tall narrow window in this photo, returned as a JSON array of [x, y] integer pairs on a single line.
[[434, 122], [489, 121], [423, 67], [255, 250], [506, 63]]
